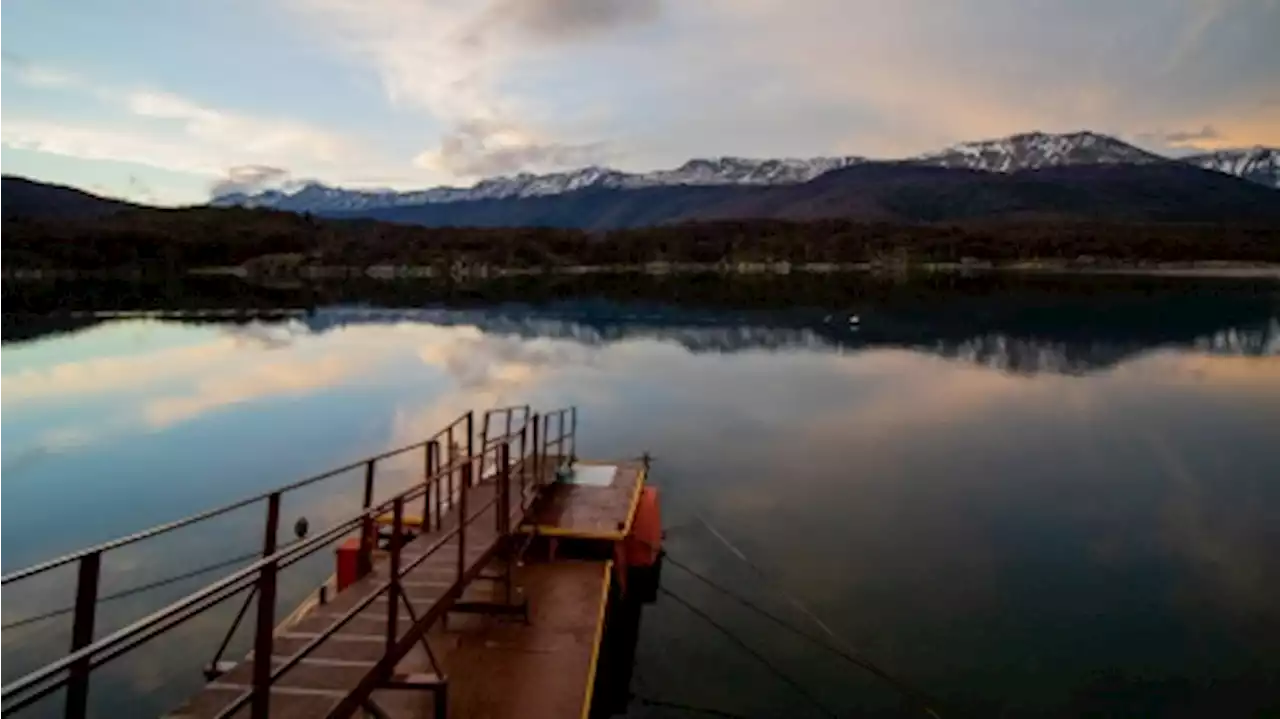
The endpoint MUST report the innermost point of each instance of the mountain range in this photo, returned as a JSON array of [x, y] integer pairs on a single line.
[[1033, 177], [1017, 153]]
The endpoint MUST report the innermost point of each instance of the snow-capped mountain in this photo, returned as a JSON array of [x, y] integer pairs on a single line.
[[1259, 164], [1032, 150], [1026, 151], [315, 197]]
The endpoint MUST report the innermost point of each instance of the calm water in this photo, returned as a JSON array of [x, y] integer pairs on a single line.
[[1031, 498]]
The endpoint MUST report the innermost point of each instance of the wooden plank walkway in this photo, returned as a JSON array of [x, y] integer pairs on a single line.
[[542, 670], [344, 660], [502, 668]]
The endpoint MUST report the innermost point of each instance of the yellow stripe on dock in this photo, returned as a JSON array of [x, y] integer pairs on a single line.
[[595, 647], [550, 530], [388, 520], [635, 501]]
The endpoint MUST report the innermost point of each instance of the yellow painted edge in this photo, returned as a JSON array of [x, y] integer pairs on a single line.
[[595, 648], [388, 520], [554, 531], [635, 500]]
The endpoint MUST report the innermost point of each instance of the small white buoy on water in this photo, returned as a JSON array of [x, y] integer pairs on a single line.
[[854, 319]]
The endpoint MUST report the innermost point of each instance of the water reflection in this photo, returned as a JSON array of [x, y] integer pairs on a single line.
[[1026, 509]]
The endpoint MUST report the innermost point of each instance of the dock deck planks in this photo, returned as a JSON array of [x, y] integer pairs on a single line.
[[543, 670], [342, 661]]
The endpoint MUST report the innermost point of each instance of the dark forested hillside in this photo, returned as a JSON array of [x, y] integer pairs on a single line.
[[23, 198], [172, 240]]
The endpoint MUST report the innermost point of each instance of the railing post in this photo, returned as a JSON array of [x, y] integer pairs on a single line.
[[471, 435], [426, 495], [393, 593], [462, 519], [484, 439], [524, 459], [368, 533], [546, 436], [90, 569], [537, 452], [451, 459], [435, 474], [262, 638], [573, 432], [504, 487]]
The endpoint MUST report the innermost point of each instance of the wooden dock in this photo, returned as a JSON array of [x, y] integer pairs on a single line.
[[518, 645], [467, 610], [349, 657]]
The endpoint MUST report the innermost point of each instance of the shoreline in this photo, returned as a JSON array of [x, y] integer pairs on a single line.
[[1221, 269]]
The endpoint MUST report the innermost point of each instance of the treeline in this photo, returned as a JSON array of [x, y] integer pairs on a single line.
[[173, 240], [927, 291]]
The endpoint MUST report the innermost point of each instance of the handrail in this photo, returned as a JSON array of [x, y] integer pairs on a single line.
[[72, 671], [360, 606], [209, 514], [562, 434], [148, 621]]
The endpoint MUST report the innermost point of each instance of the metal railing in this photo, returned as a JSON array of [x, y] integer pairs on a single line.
[[565, 423], [445, 486], [514, 420]]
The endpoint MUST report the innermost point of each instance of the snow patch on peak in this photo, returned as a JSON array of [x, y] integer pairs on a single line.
[[1024, 151], [702, 171], [1259, 164], [1031, 150]]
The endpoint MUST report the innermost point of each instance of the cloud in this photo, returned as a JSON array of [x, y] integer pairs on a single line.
[[454, 62], [98, 143], [479, 149], [1190, 137], [488, 370], [173, 132], [567, 20], [499, 86], [476, 361], [270, 379], [48, 444], [1201, 16], [37, 75], [244, 135], [1182, 141], [249, 179], [75, 380]]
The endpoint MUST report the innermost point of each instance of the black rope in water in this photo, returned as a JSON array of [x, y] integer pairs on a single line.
[[922, 699], [134, 590], [728, 633], [710, 711]]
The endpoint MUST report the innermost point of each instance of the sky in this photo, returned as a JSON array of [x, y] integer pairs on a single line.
[[168, 101]]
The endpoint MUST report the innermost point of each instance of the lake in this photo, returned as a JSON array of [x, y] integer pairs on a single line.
[[1020, 495]]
